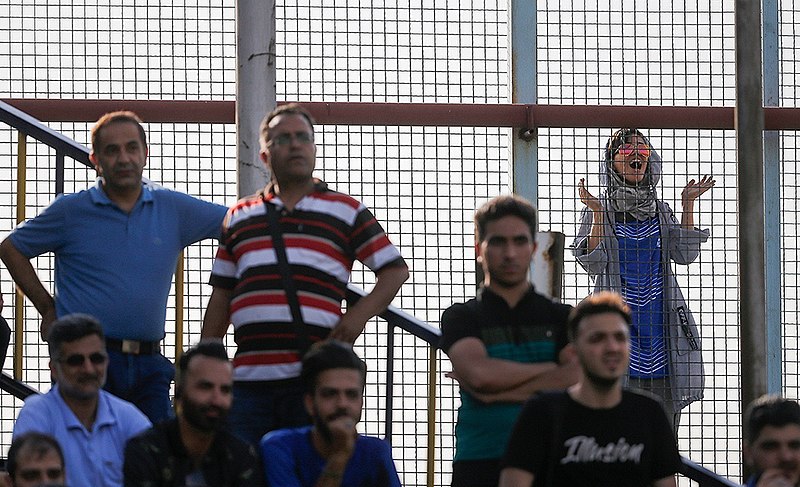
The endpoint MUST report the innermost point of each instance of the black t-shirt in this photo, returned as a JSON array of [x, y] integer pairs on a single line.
[[488, 318], [533, 331], [564, 443]]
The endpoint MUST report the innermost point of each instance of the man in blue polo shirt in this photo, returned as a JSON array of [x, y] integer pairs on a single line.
[[91, 425], [116, 246]]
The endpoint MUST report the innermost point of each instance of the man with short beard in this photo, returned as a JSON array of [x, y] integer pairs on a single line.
[[330, 453], [91, 425], [771, 447], [194, 449], [595, 433]]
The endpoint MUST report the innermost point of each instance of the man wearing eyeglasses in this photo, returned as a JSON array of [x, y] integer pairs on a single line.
[[322, 232], [90, 424]]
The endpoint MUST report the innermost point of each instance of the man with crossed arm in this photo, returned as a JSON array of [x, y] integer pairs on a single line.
[[504, 344]]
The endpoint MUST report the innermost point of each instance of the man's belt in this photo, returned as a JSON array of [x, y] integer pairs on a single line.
[[133, 347]]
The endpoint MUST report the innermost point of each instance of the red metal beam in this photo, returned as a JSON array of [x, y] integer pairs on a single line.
[[148, 110], [431, 114]]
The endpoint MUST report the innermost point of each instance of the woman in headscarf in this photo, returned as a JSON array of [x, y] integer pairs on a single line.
[[626, 242]]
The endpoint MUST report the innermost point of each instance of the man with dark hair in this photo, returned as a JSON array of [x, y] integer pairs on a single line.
[[771, 447], [35, 459], [116, 246], [195, 448], [330, 453], [281, 272], [595, 433], [90, 424], [505, 344]]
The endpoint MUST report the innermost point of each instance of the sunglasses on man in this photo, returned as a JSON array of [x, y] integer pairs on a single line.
[[78, 359]]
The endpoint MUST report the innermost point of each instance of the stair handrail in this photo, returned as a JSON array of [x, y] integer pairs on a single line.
[[34, 128]]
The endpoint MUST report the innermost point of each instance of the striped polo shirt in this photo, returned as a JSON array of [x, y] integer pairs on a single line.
[[324, 234]]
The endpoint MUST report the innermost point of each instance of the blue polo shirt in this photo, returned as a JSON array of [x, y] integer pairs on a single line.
[[91, 457], [114, 265]]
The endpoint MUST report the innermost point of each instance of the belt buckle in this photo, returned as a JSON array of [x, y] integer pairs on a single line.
[[130, 346]]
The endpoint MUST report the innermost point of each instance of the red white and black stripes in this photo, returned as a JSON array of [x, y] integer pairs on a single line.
[[323, 234]]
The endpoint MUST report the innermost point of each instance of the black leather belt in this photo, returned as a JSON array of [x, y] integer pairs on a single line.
[[133, 347]]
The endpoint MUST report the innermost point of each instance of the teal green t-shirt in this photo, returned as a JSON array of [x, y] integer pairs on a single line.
[[534, 331]]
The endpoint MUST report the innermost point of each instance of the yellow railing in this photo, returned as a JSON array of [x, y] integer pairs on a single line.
[[19, 300], [431, 457]]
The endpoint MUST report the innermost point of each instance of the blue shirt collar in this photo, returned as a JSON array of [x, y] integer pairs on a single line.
[[99, 196], [104, 415]]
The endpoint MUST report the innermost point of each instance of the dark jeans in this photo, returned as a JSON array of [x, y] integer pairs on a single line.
[[5, 339], [260, 407], [143, 380], [476, 473]]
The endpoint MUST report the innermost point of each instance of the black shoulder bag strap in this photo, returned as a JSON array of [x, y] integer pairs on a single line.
[[286, 275]]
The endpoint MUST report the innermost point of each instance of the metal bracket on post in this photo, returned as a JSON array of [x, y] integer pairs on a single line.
[[528, 133]]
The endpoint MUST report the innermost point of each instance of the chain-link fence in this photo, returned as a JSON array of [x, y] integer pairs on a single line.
[[422, 182]]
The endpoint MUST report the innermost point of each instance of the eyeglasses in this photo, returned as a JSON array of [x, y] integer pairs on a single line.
[[628, 149], [78, 359], [286, 139]]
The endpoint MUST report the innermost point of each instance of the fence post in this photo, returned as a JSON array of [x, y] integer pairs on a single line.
[[522, 72], [255, 87], [749, 124], [772, 202], [179, 293]]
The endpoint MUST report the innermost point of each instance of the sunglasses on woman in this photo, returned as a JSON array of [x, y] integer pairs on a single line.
[[629, 149]]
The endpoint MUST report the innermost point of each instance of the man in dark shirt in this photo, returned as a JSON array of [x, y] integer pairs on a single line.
[[595, 433], [193, 449], [505, 344]]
